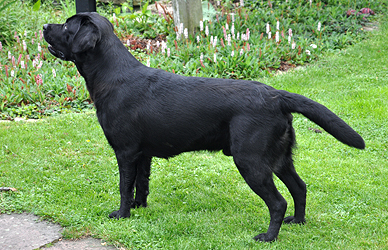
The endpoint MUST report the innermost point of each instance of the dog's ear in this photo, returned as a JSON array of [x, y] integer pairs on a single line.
[[86, 38]]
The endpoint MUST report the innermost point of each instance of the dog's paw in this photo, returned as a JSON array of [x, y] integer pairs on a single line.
[[293, 220], [117, 214], [137, 204], [264, 237]]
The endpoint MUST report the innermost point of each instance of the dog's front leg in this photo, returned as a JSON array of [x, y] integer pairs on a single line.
[[127, 162], [142, 182]]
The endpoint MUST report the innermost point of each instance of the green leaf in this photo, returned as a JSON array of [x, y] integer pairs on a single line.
[[6, 5], [36, 6], [117, 11]]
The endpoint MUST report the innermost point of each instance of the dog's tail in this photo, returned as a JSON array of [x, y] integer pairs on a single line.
[[323, 117]]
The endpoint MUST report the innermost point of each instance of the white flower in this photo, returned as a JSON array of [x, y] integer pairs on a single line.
[[207, 30], [54, 73], [232, 53], [293, 45], [290, 32], [319, 26], [277, 24], [215, 42], [168, 52], [289, 39], [308, 52], [277, 36], [232, 29], [241, 52], [148, 45], [313, 46], [198, 39], [229, 40], [164, 47], [242, 3], [201, 57], [40, 65], [215, 57], [9, 55], [267, 28], [201, 25], [269, 35], [39, 48], [22, 64], [186, 33]]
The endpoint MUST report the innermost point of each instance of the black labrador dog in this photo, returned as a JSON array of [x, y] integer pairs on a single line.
[[146, 112]]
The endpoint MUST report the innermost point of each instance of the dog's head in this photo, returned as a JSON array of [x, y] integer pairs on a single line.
[[80, 33]]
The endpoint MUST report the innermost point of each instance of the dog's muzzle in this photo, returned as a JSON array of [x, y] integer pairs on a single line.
[[52, 49]]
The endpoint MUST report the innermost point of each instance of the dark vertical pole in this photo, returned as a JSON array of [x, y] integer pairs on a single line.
[[85, 6]]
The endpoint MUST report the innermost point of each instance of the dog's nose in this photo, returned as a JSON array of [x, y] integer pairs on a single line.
[[45, 27]]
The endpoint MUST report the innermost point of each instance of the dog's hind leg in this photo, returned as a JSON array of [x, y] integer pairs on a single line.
[[142, 182], [297, 188], [258, 176]]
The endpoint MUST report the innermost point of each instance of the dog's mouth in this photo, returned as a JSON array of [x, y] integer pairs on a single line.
[[56, 53]]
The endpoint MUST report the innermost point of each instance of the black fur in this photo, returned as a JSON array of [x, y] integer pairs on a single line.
[[146, 112]]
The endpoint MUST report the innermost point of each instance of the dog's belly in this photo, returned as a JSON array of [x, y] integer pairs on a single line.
[[170, 144]]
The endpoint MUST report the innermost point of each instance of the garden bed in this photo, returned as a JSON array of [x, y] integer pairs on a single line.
[[242, 42]]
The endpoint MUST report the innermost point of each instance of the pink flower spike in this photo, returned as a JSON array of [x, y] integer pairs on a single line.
[[19, 59], [1, 46], [248, 33], [13, 61], [290, 32], [40, 35]]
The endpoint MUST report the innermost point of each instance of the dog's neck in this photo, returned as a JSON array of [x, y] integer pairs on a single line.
[[102, 56]]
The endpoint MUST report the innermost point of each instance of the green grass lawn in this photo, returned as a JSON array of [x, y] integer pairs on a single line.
[[65, 171]]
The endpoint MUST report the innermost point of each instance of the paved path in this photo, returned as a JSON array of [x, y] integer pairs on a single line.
[[27, 231]]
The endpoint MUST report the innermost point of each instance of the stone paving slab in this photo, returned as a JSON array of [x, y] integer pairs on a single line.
[[26, 231], [87, 244]]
